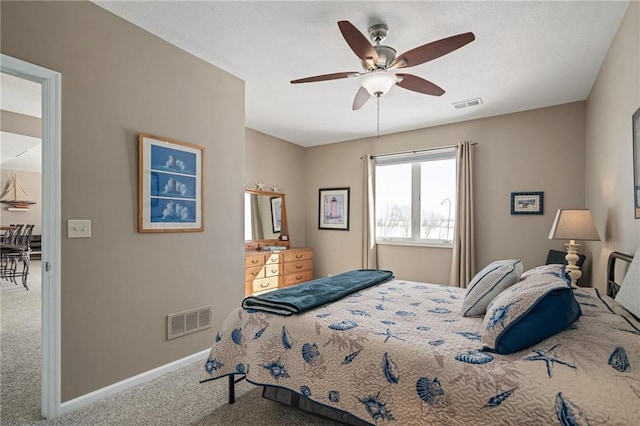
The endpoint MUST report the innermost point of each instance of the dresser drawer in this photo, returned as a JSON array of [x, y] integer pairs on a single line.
[[298, 255], [292, 267], [273, 258], [262, 284], [272, 270], [298, 277], [251, 260], [254, 272]]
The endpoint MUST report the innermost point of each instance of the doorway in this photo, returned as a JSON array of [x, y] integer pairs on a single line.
[[51, 232]]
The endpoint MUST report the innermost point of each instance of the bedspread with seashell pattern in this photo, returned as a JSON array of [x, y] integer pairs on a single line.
[[400, 353]]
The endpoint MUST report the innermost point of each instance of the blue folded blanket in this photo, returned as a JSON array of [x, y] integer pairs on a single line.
[[306, 296]]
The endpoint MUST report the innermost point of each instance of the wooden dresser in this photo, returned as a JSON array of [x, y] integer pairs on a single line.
[[269, 270]]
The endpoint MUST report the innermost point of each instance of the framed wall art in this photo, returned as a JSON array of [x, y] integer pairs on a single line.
[[334, 209], [635, 119], [527, 202], [170, 185]]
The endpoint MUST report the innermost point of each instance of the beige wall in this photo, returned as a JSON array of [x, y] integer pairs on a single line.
[[538, 150], [21, 124], [277, 162], [119, 285], [32, 183], [615, 96]]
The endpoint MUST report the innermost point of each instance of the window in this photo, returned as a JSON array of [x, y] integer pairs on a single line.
[[415, 197]]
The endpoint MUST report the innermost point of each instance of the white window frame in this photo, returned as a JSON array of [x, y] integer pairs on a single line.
[[416, 159]]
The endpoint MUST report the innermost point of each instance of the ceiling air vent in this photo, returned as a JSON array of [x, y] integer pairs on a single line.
[[468, 103], [190, 321]]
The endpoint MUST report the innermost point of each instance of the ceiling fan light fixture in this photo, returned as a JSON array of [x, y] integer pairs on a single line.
[[378, 83]]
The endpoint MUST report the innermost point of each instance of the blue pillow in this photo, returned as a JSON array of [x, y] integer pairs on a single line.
[[489, 283], [530, 311]]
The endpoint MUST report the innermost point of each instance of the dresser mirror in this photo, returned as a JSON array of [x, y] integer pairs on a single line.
[[265, 217]]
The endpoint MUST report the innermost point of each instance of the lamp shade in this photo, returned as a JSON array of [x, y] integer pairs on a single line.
[[574, 225], [378, 83]]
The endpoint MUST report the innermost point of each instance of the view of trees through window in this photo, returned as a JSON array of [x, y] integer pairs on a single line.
[[416, 201]]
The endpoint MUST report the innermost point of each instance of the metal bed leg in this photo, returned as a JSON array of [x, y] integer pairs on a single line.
[[232, 389]]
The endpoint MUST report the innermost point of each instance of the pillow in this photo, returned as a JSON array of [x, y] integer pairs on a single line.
[[539, 270], [529, 312], [553, 269], [488, 283]]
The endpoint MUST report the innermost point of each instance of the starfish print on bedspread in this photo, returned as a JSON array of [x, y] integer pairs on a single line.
[[549, 358], [389, 334]]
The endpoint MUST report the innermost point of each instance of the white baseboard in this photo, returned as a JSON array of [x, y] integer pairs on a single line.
[[96, 395]]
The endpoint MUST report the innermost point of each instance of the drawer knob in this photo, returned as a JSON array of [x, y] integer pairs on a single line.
[[299, 277], [264, 285], [273, 271], [255, 260], [299, 256], [254, 273], [299, 266]]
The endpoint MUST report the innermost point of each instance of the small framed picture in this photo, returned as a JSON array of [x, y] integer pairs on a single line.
[[334, 209], [635, 131], [171, 185], [527, 202], [276, 214]]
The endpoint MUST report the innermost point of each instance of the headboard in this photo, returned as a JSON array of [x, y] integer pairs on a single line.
[[612, 286]]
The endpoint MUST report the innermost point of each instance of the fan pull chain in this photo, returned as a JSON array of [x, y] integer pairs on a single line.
[[378, 122]]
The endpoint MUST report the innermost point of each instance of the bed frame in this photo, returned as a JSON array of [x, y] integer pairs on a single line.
[[288, 397], [612, 286]]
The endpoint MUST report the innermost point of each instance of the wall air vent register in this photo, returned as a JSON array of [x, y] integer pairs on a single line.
[[187, 322]]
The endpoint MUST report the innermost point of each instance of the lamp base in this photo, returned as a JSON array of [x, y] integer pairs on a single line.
[[572, 257]]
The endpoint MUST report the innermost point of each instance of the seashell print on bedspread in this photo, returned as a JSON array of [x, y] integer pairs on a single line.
[[400, 353]]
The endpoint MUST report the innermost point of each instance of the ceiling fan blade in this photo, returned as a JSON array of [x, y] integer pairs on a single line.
[[358, 43], [431, 51], [324, 77], [361, 98], [420, 85]]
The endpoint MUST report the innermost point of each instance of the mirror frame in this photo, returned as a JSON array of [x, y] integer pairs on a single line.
[[283, 240]]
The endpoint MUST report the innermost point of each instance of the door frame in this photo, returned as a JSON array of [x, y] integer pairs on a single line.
[[51, 82]]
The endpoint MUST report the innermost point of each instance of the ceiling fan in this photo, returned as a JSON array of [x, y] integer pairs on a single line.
[[378, 62]]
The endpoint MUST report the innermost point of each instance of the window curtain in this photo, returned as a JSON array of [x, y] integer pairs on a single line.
[[463, 259], [369, 249]]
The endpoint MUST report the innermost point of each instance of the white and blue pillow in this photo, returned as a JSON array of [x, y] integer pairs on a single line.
[[489, 283], [530, 311], [553, 269]]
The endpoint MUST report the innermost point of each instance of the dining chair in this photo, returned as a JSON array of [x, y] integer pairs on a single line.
[[18, 252]]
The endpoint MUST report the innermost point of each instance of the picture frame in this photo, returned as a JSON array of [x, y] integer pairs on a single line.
[[276, 214], [170, 185], [527, 203], [333, 208], [635, 121]]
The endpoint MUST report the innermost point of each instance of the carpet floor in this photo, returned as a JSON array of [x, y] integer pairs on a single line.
[[176, 398]]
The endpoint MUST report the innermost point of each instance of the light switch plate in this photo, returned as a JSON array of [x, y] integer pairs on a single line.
[[78, 228]]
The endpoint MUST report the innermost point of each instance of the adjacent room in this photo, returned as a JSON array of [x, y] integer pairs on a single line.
[[320, 212]]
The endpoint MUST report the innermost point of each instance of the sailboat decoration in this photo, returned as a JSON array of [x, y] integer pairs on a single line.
[[16, 196]]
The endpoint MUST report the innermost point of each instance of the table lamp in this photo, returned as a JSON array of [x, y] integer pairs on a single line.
[[573, 225]]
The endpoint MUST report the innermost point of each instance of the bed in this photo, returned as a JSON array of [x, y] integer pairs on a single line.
[[401, 353]]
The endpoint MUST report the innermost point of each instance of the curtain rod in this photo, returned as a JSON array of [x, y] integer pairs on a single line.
[[415, 151]]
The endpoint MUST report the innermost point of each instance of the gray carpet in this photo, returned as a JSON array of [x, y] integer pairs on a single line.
[[176, 398], [20, 350]]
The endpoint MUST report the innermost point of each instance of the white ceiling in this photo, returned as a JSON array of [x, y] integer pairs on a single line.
[[20, 152], [526, 55]]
